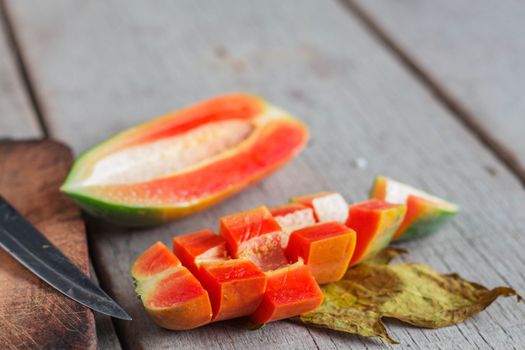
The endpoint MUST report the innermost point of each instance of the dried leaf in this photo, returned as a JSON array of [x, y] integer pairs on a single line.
[[386, 256], [411, 293]]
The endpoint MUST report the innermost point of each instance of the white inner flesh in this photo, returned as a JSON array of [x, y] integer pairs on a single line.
[[397, 192], [296, 220], [216, 253], [169, 155], [266, 251], [331, 207]]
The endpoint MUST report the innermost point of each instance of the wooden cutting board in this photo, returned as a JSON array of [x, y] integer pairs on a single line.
[[33, 314]]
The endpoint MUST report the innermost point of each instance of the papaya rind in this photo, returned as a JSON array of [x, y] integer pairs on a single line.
[[186, 315], [436, 214], [426, 225]]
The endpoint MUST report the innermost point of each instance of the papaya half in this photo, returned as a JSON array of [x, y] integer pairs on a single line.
[[185, 161]]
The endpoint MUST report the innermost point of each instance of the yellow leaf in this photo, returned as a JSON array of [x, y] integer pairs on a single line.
[[412, 293]]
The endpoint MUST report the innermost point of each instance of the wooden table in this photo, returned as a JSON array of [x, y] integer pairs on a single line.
[[429, 92]]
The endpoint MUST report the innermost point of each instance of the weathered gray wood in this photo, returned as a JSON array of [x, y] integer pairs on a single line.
[[18, 120], [16, 117], [106, 335], [473, 51], [102, 66]]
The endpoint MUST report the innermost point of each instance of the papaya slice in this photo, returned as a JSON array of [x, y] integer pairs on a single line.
[[327, 206], [171, 295], [425, 213], [184, 161], [239, 228], [153, 261], [375, 222], [267, 251], [290, 291], [326, 248], [293, 216], [199, 247], [255, 235], [236, 287]]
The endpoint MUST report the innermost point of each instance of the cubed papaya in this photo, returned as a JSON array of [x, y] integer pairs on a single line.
[[293, 216], [241, 227], [236, 287], [375, 222], [290, 291], [326, 248], [202, 246], [327, 206]]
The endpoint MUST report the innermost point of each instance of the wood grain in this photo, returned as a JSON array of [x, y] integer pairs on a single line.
[[16, 116], [367, 115], [472, 52], [19, 120], [33, 314], [106, 335]]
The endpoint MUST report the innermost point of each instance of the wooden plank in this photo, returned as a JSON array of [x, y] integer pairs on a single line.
[[472, 51], [106, 335], [367, 116], [16, 116], [18, 120], [32, 313]]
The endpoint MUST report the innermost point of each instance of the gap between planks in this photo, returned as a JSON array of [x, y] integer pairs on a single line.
[[21, 68], [457, 109], [104, 283]]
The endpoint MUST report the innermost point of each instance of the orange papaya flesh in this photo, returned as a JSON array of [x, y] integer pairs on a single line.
[[227, 107], [293, 216], [285, 209], [425, 213], [178, 301], [195, 248], [266, 251], [327, 206], [290, 291], [153, 261], [326, 248], [375, 222], [171, 295], [160, 170], [241, 227], [236, 287]]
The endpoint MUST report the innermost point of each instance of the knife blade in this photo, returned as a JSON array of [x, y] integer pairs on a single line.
[[32, 249]]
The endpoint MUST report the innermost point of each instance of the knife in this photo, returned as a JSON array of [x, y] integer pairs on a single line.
[[32, 249]]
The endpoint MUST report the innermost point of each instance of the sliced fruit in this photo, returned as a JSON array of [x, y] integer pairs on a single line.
[[290, 291], [184, 161], [171, 295], [326, 248], [241, 227], [236, 287], [266, 251], [425, 213], [293, 216], [153, 261], [177, 301], [375, 222], [199, 247], [327, 206]]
